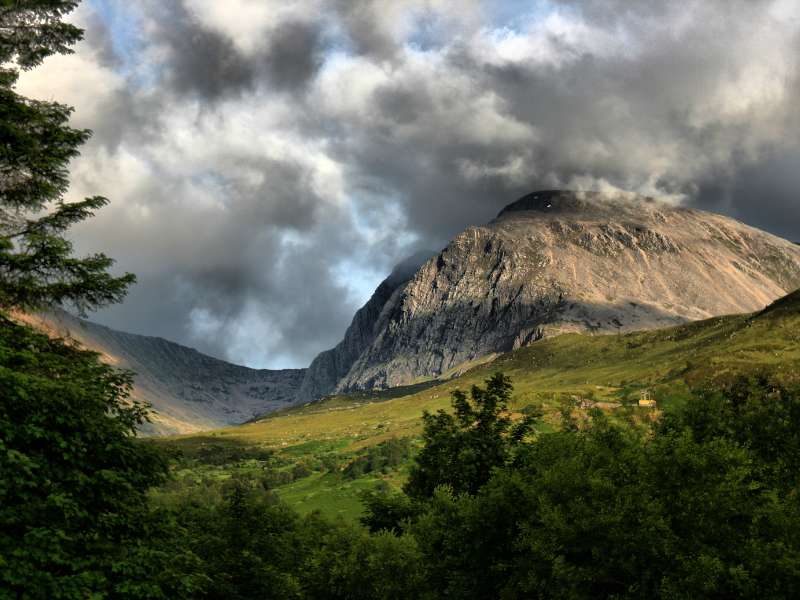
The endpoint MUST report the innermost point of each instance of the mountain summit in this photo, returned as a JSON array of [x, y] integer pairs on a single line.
[[551, 262]]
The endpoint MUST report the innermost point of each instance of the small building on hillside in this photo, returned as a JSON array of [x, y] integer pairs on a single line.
[[646, 400]]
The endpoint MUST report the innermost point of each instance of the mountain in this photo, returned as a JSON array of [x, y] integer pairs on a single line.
[[556, 262], [552, 262], [189, 391], [786, 307]]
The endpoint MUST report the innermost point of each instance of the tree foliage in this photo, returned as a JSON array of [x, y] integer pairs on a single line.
[[73, 479], [74, 516], [704, 506], [463, 448], [32, 30], [37, 266]]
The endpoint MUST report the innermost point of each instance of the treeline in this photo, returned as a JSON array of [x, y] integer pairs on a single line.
[[703, 505]]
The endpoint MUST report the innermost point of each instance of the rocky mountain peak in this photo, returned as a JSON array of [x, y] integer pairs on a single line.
[[559, 261], [587, 205]]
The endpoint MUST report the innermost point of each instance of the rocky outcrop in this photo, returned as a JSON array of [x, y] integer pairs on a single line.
[[556, 262], [188, 391], [331, 366]]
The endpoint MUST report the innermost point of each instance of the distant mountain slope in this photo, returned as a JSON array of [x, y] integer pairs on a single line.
[[553, 262], [611, 369], [556, 262], [786, 307], [189, 391]]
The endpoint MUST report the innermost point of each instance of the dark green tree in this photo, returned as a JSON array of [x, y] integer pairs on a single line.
[[462, 449], [250, 544], [37, 267], [347, 563], [385, 510], [705, 505], [74, 521], [755, 412]]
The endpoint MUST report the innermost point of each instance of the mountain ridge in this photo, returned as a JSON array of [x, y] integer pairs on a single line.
[[583, 372], [558, 261], [551, 262], [188, 390], [329, 366]]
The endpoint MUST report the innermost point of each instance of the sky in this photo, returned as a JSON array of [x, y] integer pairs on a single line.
[[269, 161]]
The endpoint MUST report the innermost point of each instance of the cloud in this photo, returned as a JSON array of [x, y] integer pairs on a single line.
[[268, 162], [198, 59], [215, 54]]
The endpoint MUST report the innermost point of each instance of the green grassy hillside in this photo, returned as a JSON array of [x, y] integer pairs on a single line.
[[314, 444]]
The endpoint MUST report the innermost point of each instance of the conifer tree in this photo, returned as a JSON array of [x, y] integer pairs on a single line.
[[37, 266]]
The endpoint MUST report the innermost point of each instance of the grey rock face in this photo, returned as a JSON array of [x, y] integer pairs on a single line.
[[189, 391], [331, 366], [555, 262]]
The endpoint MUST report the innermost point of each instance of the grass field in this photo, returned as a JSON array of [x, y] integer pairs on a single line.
[[612, 370]]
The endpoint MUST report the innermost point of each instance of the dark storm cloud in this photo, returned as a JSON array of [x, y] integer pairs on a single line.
[[365, 30], [201, 61], [764, 194], [264, 177], [204, 271], [293, 54], [643, 116], [208, 63], [612, 12], [98, 36]]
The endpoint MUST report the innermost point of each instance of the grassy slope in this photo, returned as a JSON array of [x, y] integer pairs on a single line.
[[606, 368]]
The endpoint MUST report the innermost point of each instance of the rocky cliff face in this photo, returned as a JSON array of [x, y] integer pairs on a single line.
[[555, 262], [331, 366], [189, 391]]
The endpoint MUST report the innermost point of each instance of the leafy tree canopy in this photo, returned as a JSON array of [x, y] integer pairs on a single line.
[[74, 518], [463, 448], [705, 505], [73, 479]]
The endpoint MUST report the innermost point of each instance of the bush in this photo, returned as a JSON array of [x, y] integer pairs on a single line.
[[349, 564], [381, 457], [386, 511], [272, 478], [300, 471]]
